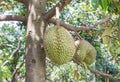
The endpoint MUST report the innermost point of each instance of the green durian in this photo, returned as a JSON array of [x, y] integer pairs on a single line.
[[85, 52], [90, 56], [81, 50], [59, 45]]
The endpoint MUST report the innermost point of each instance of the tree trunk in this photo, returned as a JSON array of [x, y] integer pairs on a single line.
[[35, 57]]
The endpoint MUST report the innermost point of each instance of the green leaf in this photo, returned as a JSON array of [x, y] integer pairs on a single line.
[[85, 66], [118, 21], [118, 50], [95, 3], [80, 79], [76, 75], [104, 4], [106, 34]]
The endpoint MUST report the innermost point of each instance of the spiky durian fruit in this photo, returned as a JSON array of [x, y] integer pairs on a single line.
[[85, 52], [59, 45], [91, 55], [81, 50]]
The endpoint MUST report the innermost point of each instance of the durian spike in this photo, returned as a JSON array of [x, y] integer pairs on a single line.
[[57, 16]]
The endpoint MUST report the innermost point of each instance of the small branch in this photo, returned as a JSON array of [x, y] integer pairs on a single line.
[[7, 79], [16, 50], [67, 26], [99, 73], [115, 37], [72, 28], [13, 53], [13, 18], [102, 21], [61, 5], [103, 74], [15, 72], [6, 45]]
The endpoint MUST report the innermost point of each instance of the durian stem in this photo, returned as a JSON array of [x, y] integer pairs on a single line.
[[78, 36], [57, 16]]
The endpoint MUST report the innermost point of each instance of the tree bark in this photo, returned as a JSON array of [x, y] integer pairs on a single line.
[[35, 57]]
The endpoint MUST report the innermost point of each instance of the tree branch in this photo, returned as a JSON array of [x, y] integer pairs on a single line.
[[98, 72], [6, 44], [61, 5], [103, 74], [72, 28], [67, 26], [13, 18]]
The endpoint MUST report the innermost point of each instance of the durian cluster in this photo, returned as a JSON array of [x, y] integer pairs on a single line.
[[61, 48]]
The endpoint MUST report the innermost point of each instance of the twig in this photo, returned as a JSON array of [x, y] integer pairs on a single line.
[[6, 44], [78, 36], [7, 79], [12, 54], [15, 71], [115, 37], [99, 73], [103, 74]]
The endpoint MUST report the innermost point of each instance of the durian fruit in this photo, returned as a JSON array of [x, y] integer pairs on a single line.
[[85, 52], [81, 50], [59, 45], [91, 55]]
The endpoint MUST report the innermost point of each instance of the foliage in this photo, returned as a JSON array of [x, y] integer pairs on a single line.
[[112, 6], [10, 36]]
